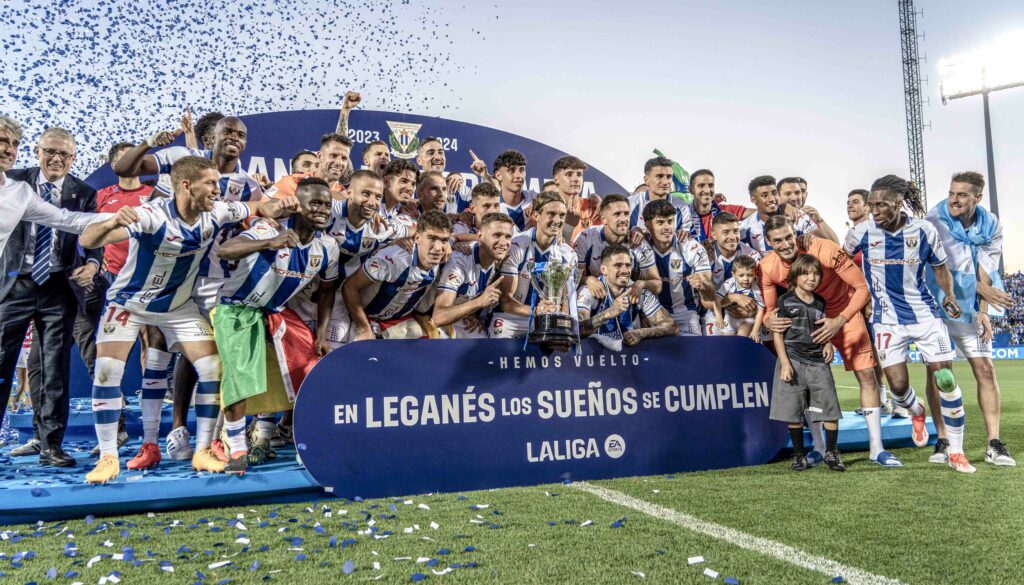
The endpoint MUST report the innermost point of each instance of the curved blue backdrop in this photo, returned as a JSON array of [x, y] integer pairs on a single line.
[[275, 137], [391, 418]]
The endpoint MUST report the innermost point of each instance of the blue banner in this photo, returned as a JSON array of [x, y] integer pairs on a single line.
[[1013, 352], [389, 418], [275, 137]]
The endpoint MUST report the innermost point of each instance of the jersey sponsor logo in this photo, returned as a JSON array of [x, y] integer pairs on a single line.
[[373, 264], [284, 254], [403, 139], [873, 244], [173, 238], [894, 260], [453, 276]]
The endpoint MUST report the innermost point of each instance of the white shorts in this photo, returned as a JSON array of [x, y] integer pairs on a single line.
[[22, 358], [182, 325], [206, 294], [711, 329], [506, 326], [967, 337], [688, 323], [931, 338]]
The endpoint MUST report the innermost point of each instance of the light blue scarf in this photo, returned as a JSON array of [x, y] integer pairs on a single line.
[[965, 285]]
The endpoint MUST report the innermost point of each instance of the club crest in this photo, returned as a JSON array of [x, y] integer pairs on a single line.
[[403, 139]]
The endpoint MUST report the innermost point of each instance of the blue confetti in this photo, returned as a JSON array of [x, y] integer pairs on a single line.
[[732, 581], [300, 557], [333, 542], [838, 579], [418, 577], [443, 551], [348, 567]]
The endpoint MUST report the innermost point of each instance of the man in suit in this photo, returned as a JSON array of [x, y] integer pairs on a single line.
[[40, 269]]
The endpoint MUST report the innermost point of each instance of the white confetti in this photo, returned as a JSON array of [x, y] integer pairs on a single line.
[[586, 523], [710, 573], [435, 525], [638, 574], [218, 564], [694, 560]]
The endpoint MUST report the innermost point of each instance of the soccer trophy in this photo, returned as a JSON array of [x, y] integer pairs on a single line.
[[553, 331]]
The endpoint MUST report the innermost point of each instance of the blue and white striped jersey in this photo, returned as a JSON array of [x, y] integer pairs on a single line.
[[637, 203], [519, 212], [628, 320], [270, 278], [460, 201], [591, 243], [235, 186], [721, 268], [165, 253], [752, 231], [525, 254], [402, 283], [731, 287], [894, 266], [464, 276], [356, 243], [681, 260]]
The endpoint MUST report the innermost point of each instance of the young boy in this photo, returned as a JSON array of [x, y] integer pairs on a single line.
[[803, 380], [743, 282]]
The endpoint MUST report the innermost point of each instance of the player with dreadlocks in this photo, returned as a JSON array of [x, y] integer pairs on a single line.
[[896, 247]]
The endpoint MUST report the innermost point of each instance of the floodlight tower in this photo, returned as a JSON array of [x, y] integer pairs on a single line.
[[912, 94], [996, 67]]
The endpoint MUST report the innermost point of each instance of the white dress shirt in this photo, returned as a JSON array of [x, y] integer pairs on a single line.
[[19, 201]]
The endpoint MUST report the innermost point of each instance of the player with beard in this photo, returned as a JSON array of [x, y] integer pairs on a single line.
[[845, 292], [591, 243], [973, 239], [682, 267], [486, 200], [430, 156], [393, 282], [332, 162], [538, 244], [274, 264], [723, 248], [230, 137], [376, 157], [431, 193], [658, 178], [704, 208], [765, 195], [169, 240], [355, 227], [400, 179], [622, 310], [793, 192], [896, 248], [470, 284], [857, 212]]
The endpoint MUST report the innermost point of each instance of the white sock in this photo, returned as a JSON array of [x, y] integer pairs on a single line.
[[953, 416], [107, 402], [236, 435], [207, 399], [883, 393], [817, 437], [265, 427], [154, 387], [910, 402], [873, 417]]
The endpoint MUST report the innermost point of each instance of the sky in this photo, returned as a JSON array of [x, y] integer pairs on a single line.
[[813, 89]]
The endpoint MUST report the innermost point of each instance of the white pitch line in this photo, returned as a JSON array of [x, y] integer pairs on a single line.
[[782, 552]]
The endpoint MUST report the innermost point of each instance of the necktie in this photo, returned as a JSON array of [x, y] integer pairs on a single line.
[[44, 239]]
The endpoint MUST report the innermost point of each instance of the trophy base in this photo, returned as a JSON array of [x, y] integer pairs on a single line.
[[553, 331]]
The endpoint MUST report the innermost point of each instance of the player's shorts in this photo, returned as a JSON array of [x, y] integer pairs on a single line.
[[339, 327], [506, 326], [182, 325], [853, 342], [401, 328], [689, 323], [206, 294], [967, 337], [931, 338], [26, 346], [812, 390], [710, 328]]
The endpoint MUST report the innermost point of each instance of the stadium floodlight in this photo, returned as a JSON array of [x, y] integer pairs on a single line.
[[995, 67]]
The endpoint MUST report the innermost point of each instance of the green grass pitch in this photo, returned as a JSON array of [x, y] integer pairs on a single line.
[[920, 524]]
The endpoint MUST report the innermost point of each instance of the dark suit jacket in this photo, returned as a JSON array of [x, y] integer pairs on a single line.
[[76, 195]]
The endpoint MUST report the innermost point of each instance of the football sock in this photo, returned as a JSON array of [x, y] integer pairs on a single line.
[[154, 387], [106, 402], [207, 399], [796, 434], [265, 427], [873, 417], [952, 409], [816, 437], [831, 439], [236, 436]]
